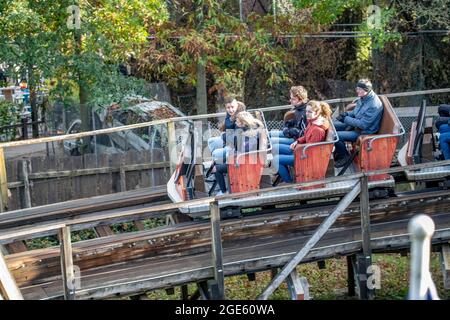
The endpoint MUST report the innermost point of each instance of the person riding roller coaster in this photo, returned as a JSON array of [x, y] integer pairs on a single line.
[[364, 119], [245, 140], [317, 113]]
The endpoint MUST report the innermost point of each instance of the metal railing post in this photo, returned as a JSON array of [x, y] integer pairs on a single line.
[[365, 260], [421, 285], [216, 242]]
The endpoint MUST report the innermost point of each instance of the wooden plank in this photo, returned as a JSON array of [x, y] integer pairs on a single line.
[[150, 274], [77, 181], [217, 259], [147, 175], [14, 201], [103, 231], [116, 162], [26, 192], [101, 170], [122, 175], [68, 274], [105, 179], [54, 187], [3, 183], [16, 247], [35, 191], [173, 152], [132, 177], [323, 228], [8, 286], [89, 182], [365, 260], [445, 263], [160, 176], [351, 275], [68, 183]]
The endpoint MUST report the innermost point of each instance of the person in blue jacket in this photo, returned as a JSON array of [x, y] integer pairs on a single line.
[[217, 145], [365, 118]]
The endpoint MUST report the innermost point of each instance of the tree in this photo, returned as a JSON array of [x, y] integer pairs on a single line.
[[205, 33], [26, 45], [44, 38]]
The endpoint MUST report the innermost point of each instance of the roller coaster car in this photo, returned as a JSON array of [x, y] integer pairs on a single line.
[[312, 159], [419, 149], [245, 169], [376, 151]]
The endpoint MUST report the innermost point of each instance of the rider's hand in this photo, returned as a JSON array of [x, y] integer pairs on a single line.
[[293, 145]]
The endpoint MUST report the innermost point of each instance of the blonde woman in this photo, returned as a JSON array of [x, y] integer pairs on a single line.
[[246, 139], [317, 114]]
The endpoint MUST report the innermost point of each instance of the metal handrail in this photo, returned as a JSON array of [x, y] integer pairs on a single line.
[[196, 117], [309, 145]]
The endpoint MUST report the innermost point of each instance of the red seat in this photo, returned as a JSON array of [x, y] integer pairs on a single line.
[[245, 170], [376, 151], [311, 160]]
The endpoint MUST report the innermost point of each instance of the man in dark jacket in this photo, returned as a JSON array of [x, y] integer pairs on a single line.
[[364, 119], [295, 126]]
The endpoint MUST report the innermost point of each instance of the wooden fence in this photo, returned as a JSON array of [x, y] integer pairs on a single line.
[[43, 180]]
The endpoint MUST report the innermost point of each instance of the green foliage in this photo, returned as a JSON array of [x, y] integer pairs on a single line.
[[9, 114], [113, 87], [326, 12], [205, 34], [35, 39]]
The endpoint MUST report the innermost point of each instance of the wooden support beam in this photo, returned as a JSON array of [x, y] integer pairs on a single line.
[[170, 291], [351, 275], [361, 277], [216, 242], [103, 231], [172, 146], [365, 260], [8, 287], [26, 184], [16, 247], [445, 263], [321, 230], [184, 292], [298, 286], [251, 276], [68, 274], [123, 181], [202, 288], [3, 183], [139, 225]]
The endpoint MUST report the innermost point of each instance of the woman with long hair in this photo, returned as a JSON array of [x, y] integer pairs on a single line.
[[217, 144], [318, 114], [245, 140]]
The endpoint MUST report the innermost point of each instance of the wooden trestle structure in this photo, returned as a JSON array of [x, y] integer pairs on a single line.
[[204, 251]]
